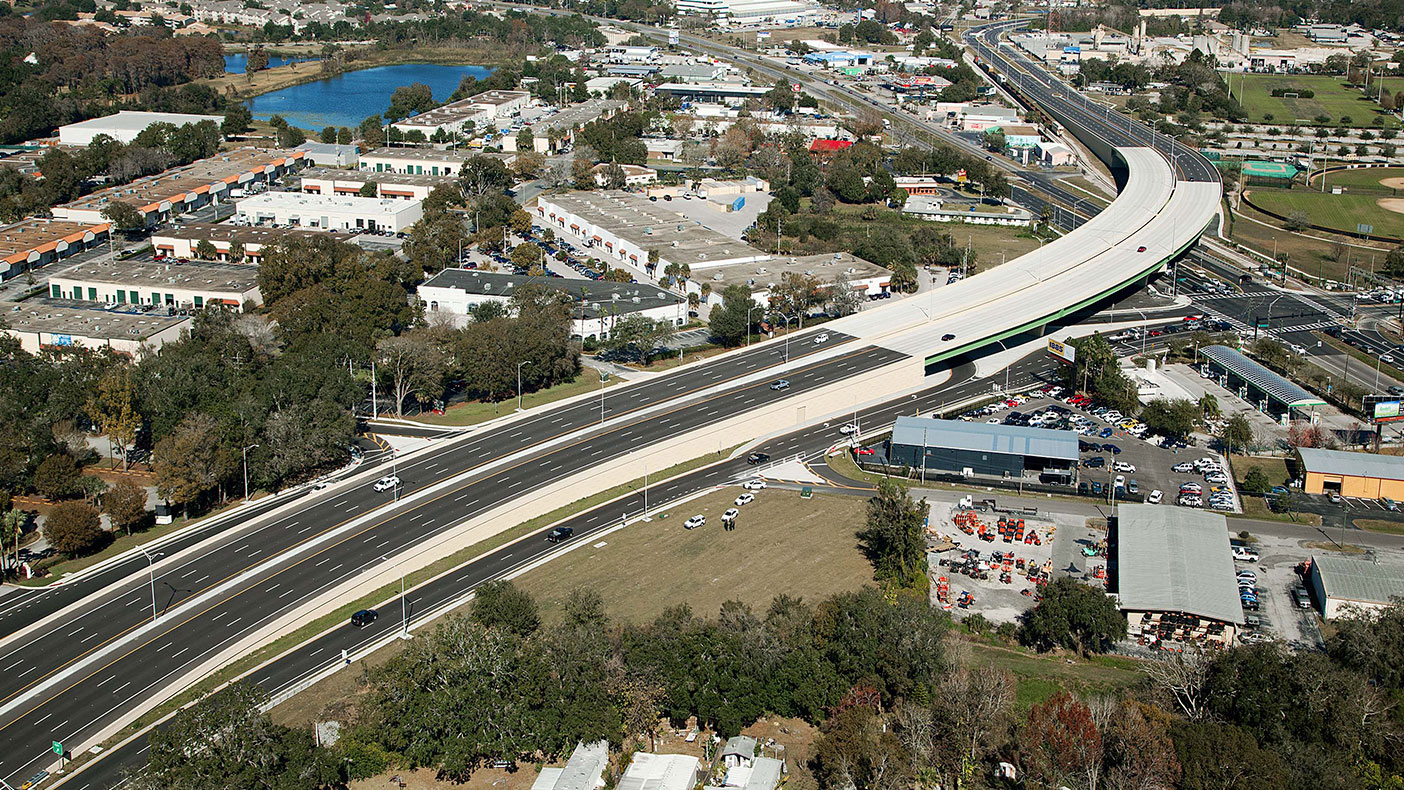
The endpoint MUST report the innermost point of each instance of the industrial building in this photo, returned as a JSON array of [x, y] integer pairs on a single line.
[[399, 186], [557, 130], [730, 93], [979, 450], [649, 771], [330, 154], [597, 305], [481, 111], [35, 241], [1341, 585], [179, 241], [422, 161], [622, 228], [181, 189], [125, 126], [1363, 475], [180, 286], [330, 212], [933, 209], [1254, 383], [42, 323], [583, 771], [829, 269], [1172, 572]]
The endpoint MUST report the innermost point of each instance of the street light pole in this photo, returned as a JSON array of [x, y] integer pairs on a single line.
[[404, 608], [246, 470], [519, 382], [748, 323], [151, 571]]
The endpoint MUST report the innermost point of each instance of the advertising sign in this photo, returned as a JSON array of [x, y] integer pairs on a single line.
[[1384, 410], [1061, 350]]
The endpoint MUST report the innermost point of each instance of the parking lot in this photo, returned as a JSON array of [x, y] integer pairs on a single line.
[[1278, 615], [1109, 450]]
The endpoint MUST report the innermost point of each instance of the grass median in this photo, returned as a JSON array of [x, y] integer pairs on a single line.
[[239, 666], [474, 412]]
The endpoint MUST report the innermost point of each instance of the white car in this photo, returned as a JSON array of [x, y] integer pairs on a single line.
[[695, 522], [1122, 466], [1120, 481], [1155, 496], [730, 514], [822, 338], [753, 485], [745, 499], [386, 483], [847, 429]]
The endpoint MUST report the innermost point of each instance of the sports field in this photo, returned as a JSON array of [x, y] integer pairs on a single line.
[[1376, 178], [1331, 98], [1339, 212]]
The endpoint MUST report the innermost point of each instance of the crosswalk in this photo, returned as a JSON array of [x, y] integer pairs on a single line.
[[1249, 295], [1305, 327]]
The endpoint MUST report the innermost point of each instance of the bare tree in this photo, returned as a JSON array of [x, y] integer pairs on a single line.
[[1183, 677], [413, 364]]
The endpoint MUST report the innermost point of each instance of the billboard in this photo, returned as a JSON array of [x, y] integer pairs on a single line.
[[673, 37], [1383, 409], [763, 35], [1061, 350]]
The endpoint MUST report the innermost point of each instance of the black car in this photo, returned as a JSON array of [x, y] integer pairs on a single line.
[[948, 336], [364, 618], [1082, 489], [757, 458], [559, 534], [1095, 461]]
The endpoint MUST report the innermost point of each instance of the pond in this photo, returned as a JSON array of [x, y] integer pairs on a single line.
[[349, 98], [238, 63]]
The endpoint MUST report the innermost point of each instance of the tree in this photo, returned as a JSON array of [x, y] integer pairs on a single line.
[[125, 505], [1256, 481], [204, 250], [124, 216], [893, 540], [236, 120], [644, 334], [501, 604], [1136, 745], [612, 176], [1214, 756], [1209, 406], [1063, 745], [526, 141], [56, 476], [1236, 433], [74, 528], [730, 323], [236, 252], [527, 255], [1174, 418], [481, 176], [844, 299], [1075, 616], [410, 100], [414, 365], [187, 462]]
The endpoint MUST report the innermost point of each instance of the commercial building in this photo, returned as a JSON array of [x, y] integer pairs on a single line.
[[694, 72], [1254, 383], [42, 323], [830, 269], [583, 771], [622, 228], [391, 185], [1055, 154], [1341, 585], [731, 93], [1172, 572], [630, 54], [330, 212], [933, 209], [634, 175], [125, 126], [597, 305], [600, 86], [975, 450], [180, 286], [179, 241], [648, 771], [187, 188], [417, 161], [1363, 475], [330, 154], [1018, 135], [481, 111], [558, 129], [34, 242]]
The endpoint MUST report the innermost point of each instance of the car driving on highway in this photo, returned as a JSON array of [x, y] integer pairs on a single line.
[[559, 534], [364, 618], [386, 483], [781, 384]]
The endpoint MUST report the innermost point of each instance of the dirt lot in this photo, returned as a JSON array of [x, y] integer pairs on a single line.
[[781, 544]]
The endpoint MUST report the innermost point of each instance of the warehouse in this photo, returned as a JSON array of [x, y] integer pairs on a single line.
[[41, 323], [34, 241], [422, 161], [1172, 571], [480, 111], [974, 450], [597, 305], [330, 212], [650, 771], [401, 186], [125, 126], [1340, 585], [232, 243], [1363, 475], [557, 130], [179, 286]]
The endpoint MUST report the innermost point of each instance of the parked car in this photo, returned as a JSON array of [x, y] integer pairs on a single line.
[[745, 499], [730, 514], [695, 521], [1301, 597], [753, 485], [1182, 468], [1155, 496], [1244, 554]]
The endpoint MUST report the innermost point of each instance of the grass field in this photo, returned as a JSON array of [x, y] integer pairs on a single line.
[[781, 544], [475, 412], [1339, 212], [1360, 177], [1331, 98]]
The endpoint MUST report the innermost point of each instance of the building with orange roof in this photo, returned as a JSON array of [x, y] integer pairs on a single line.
[[36, 241]]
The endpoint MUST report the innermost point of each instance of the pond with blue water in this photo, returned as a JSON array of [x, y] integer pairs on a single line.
[[349, 98], [238, 63]]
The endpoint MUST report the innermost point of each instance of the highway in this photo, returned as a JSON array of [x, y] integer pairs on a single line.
[[90, 666]]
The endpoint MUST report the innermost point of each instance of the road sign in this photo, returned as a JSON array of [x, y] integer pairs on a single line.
[[1364, 229], [58, 748]]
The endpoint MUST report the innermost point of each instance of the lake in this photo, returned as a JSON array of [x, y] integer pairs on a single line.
[[349, 98], [239, 63]]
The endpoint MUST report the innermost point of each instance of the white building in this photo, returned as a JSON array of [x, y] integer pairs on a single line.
[[330, 154], [180, 241], [554, 131], [480, 110], [125, 126], [660, 772], [830, 269], [931, 208], [597, 304], [329, 212], [41, 323], [423, 161], [397, 186], [634, 175], [174, 285], [584, 771], [1340, 585]]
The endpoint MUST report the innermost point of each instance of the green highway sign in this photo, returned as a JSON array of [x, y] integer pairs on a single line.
[[58, 748]]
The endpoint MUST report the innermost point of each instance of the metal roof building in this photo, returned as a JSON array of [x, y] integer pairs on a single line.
[[1174, 574], [970, 449], [1362, 475], [584, 770], [1273, 387], [1341, 583]]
